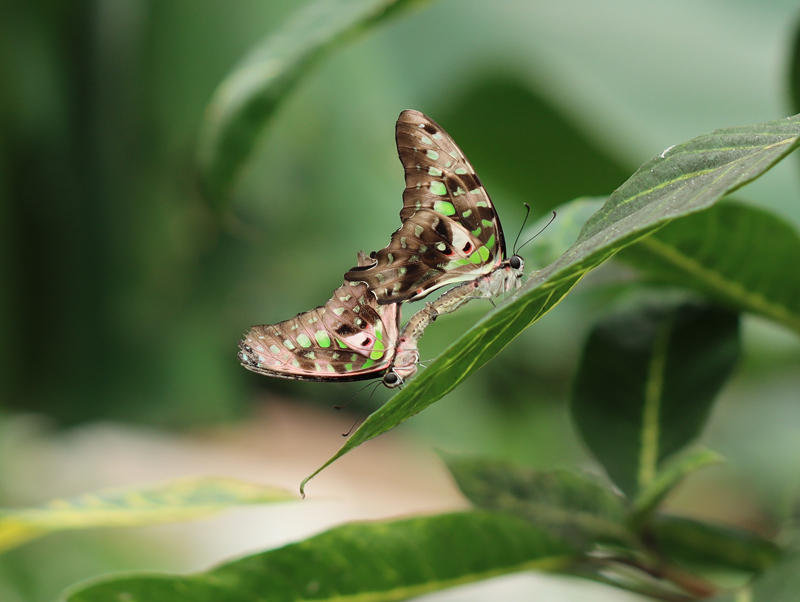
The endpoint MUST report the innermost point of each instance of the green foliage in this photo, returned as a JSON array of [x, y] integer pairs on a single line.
[[733, 253], [646, 384]]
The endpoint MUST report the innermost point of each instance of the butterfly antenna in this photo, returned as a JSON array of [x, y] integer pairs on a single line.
[[339, 407], [539, 232], [364, 407], [516, 240]]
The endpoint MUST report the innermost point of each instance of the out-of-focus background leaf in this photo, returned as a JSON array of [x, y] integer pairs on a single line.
[[124, 294]]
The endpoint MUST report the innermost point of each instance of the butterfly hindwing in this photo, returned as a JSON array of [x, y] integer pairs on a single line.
[[450, 231], [351, 337]]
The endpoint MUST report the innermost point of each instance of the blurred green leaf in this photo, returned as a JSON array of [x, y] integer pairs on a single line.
[[246, 100], [794, 68], [646, 383], [576, 506], [681, 180], [674, 471], [734, 253], [170, 501], [372, 561], [712, 546]]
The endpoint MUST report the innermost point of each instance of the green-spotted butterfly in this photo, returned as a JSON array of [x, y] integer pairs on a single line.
[[450, 231], [349, 338]]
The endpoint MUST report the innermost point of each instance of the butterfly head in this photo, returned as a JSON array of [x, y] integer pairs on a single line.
[[391, 379]]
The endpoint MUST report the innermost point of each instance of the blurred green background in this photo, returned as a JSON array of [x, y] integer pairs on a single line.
[[124, 293]]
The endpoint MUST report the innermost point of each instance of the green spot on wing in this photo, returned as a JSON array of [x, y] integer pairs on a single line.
[[476, 231], [480, 203], [341, 344], [438, 188], [467, 213], [367, 364], [461, 171], [322, 338], [348, 367], [490, 242], [475, 258], [303, 340], [432, 154], [444, 207], [484, 253], [487, 223]]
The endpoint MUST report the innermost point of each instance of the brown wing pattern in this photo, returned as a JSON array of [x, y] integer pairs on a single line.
[[450, 231]]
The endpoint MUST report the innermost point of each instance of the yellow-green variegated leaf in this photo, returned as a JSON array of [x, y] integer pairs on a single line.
[[168, 501]]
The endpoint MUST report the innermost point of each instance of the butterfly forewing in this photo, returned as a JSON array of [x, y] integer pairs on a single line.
[[351, 337], [450, 231]]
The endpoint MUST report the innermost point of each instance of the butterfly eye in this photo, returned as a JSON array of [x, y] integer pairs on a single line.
[[391, 379], [516, 262]]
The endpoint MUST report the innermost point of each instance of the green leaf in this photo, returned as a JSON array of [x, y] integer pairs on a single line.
[[170, 501], [247, 99], [734, 253], [712, 546], [646, 383], [372, 561], [576, 506], [683, 179], [675, 470]]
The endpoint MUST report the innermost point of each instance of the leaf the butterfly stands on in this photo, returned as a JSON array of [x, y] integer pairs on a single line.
[[450, 230]]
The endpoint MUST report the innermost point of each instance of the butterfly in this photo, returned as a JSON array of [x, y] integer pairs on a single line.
[[349, 338], [450, 233], [450, 230]]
